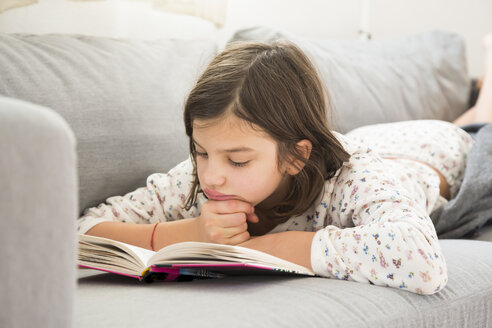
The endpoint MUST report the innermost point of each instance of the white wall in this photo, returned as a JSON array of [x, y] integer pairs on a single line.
[[113, 18], [309, 18], [471, 19]]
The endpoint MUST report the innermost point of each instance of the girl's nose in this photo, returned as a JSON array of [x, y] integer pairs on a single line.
[[212, 175]]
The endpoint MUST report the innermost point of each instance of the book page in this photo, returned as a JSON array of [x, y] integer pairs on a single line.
[[198, 251], [141, 255], [108, 255]]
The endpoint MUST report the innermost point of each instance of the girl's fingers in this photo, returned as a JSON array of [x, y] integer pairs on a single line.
[[252, 217], [231, 232], [239, 238], [232, 220], [231, 206]]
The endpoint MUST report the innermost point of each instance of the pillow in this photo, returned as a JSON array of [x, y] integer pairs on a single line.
[[122, 98], [417, 77]]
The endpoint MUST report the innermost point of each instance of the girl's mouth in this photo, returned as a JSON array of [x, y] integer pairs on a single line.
[[215, 195]]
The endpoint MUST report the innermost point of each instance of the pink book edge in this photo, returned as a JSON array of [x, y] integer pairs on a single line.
[[173, 273], [154, 268], [122, 274]]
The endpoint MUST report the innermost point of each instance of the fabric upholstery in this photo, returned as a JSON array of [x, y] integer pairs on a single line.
[[104, 300], [421, 76], [122, 98], [38, 208]]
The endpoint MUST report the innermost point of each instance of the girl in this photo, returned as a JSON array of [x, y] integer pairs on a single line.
[[266, 172]]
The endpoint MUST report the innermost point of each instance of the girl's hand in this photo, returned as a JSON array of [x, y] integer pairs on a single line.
[[224, 221]]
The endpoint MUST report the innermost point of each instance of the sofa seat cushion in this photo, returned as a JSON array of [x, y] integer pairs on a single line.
[[108, 300]]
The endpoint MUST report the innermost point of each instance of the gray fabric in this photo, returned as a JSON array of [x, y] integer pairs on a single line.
[[471, 209], [123, 98], [485, 233], [418, 77], [473, 128], [107, 300], [38, 208]]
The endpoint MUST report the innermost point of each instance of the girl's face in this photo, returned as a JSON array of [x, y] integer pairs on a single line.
[[234, 159]]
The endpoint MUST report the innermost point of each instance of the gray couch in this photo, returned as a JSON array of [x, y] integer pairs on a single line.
[[84, 118]]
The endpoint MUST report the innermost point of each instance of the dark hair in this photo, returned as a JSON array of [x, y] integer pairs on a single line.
[[273, 86]]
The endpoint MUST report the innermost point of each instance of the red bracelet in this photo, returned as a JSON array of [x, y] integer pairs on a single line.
[[152, 237]]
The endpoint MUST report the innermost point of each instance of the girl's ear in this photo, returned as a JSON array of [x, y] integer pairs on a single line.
[[305, 146]]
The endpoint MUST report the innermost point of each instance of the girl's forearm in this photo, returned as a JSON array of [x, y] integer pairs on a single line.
[[166, 233], [293, 246]]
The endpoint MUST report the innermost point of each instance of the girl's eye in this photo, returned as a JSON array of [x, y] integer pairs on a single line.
[[238, 164], [201, 154], [205, 155]]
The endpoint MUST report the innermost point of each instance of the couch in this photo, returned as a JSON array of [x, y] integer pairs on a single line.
[[85, 118]]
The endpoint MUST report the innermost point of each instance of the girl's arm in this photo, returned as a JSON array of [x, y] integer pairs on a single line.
[[130, 218], [370, 230], [165, 234], [292, 246], [392, 241], [212, 225]]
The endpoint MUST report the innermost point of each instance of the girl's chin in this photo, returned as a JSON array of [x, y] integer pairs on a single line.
[[254, 203]]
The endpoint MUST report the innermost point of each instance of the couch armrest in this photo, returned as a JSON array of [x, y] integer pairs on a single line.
[[38, 210]]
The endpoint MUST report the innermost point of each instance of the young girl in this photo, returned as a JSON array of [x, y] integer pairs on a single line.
[[266, 172]]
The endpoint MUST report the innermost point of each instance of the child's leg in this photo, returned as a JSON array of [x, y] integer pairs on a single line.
[[482, 111], [467, 117]]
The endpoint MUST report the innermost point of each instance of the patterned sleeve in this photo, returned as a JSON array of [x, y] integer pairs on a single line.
[[388, 240], [160, 200]]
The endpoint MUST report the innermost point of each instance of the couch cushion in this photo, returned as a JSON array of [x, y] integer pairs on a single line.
[[107, 300], [417, 77], [123, 98]]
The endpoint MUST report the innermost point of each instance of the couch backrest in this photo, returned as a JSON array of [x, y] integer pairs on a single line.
[[422, 76], [123, 99]]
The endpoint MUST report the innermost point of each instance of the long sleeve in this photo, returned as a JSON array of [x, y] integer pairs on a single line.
[[374, 231], [161, 200]]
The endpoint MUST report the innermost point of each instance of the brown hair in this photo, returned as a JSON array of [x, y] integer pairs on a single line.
[[275, 87]]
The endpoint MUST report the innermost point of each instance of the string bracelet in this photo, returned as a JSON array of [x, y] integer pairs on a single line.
[[152, 237]]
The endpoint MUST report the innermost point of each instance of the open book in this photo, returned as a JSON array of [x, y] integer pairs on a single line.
[[181, 262]]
